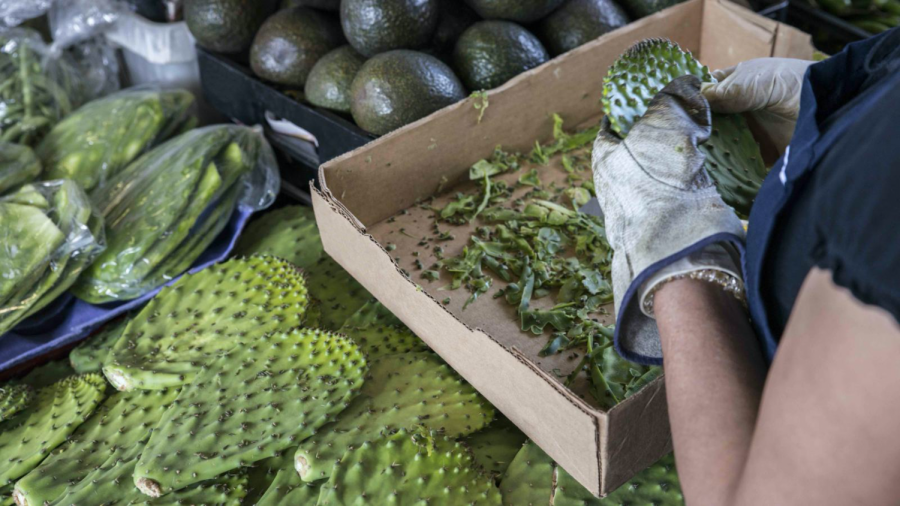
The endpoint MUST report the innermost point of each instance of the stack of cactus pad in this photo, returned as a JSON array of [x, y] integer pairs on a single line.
[[101, 138], [166, 207], [229, 396], [50, 234], [733, 157]]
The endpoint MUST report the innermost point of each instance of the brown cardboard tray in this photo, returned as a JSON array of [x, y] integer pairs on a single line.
[[362, 190]]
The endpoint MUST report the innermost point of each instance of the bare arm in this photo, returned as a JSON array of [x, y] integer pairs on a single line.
[[826, 429]]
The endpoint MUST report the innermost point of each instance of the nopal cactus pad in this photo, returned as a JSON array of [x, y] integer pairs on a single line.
[[339, 295], [57, 410], [371, 313], [528, 480], [289, 233], [124, 420], [400, 392], [274, 482], [495, 446], [733, 157], [14, 398], [110, 485], [203, 315], [408, 467], [377, 341], [91, 354], [269, 393]]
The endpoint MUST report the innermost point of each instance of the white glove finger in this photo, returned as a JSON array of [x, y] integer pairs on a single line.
[[722, 74], [734, 94]]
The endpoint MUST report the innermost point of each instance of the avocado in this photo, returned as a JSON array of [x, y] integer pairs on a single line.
[[376, 26], [520, 11], [578, 22], [224, 26], [328, 85], [290, 42], [325, 5], [399, 87], [641, 8], [490, 53], [454, 18]]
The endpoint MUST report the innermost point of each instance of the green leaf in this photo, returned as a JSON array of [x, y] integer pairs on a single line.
[[536, 320], [530, 178]]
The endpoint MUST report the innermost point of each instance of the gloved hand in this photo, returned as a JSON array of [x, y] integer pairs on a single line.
[[661, 208], [767, 88]]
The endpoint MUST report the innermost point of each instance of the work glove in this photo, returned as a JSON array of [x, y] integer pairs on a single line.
[[766, 88], [663, 215]]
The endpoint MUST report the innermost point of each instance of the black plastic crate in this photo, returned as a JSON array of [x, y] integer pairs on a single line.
[[830, 33], [232, 89]]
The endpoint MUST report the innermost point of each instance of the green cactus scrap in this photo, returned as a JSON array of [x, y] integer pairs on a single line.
[[377, 341], [14, 398], [91, 354], [339, 295], [269, 393], [203, 316], [401, 392], [496, 445], [734, 160], [123, 421], [57, 410], [289, 233], [408, 467]]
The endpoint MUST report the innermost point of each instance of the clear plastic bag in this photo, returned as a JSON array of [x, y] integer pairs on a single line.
[[96, 59], [166, 207], [72, 21], [49, 233], [102, 137], [37, 87], [14, 12], [18, 165]]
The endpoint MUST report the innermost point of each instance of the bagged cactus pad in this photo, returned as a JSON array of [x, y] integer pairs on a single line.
[[734, 160], [204, 315]]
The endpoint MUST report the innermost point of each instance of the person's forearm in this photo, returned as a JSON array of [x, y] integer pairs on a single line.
[[714, 380]]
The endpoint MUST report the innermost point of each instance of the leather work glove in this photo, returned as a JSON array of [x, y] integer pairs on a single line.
[[663, 214], [767, 88]]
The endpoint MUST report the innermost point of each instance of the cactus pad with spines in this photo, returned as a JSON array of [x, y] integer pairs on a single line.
[[377, 341], [91, 354], [409, 467], [401, 392], [371, 313], [734, 159], [204, 315], [289, 233], [48, 374], [56, 411], [14, 398], [110, 485], [269, 393], [339, 295], [496, 445], [529, 478], [123, 421], [288, 488]]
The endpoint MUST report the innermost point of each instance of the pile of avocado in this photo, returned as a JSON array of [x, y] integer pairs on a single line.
[[391, 62]]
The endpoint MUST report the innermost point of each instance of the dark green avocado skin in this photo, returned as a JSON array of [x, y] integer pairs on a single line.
[[398, 87], [578, 22], [328, 85], [376, 26], [455, 17], [641, 8], [290, 43], [325, 5], [490, 53], [520, 11], [224, 26]]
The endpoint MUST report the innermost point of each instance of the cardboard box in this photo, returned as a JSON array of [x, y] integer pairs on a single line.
[[362, 189]]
